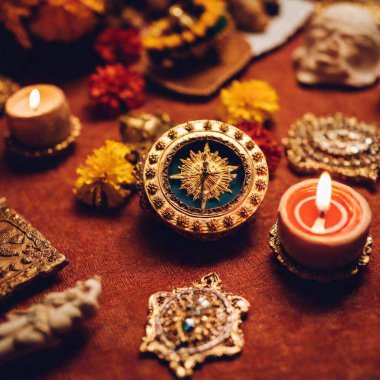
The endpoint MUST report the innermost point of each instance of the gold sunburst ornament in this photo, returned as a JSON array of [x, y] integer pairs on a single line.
[[187, 325], [205, 175], [203, 179]]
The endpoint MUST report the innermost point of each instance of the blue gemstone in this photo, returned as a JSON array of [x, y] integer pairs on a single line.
[[188, 324]]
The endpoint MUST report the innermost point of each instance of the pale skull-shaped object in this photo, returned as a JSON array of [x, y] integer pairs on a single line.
[[342, 46]]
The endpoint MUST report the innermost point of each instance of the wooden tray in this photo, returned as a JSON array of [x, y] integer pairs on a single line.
[[207, 79]]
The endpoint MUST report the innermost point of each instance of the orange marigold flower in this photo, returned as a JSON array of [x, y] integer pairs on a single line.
[[115, 88]]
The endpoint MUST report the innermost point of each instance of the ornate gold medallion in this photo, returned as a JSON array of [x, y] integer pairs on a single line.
[[203, 178], [342, 145], [189, 324]]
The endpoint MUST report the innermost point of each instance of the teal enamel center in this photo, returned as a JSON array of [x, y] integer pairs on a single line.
[[235, 185]]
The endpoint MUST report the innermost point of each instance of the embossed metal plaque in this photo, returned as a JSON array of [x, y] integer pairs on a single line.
[[24, 253]]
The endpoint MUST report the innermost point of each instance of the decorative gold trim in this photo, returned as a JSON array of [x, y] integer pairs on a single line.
[[323, 276], [15, 148], [25, 254], [190, 324]]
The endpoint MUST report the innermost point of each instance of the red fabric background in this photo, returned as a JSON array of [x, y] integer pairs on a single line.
[[295, 329]]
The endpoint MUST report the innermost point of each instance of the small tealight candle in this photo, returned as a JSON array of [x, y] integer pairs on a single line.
[[38, 116], [323, 224]]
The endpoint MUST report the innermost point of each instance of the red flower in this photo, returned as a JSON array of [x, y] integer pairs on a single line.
[[262, 137], [115, 88], [119, 45]]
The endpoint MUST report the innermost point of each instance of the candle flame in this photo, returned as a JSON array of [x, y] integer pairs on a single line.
[[34, 99], [324, 190]]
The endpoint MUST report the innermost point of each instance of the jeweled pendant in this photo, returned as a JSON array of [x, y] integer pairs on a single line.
[[189, 324]]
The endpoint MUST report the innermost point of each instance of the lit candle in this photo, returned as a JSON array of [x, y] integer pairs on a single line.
[[323, 224], [34, 99], [38, 116]]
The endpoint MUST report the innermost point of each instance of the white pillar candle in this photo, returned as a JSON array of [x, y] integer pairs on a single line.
[[38, 116]]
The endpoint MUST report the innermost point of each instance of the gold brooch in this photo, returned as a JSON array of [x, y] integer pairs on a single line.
[[189, 324], [342, 145], [203, 179]]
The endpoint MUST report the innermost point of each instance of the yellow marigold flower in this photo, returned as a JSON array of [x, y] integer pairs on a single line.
[[252, 100], [105, 176]]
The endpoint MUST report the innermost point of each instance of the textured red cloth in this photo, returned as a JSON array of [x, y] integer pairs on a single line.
[[295, 330]]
